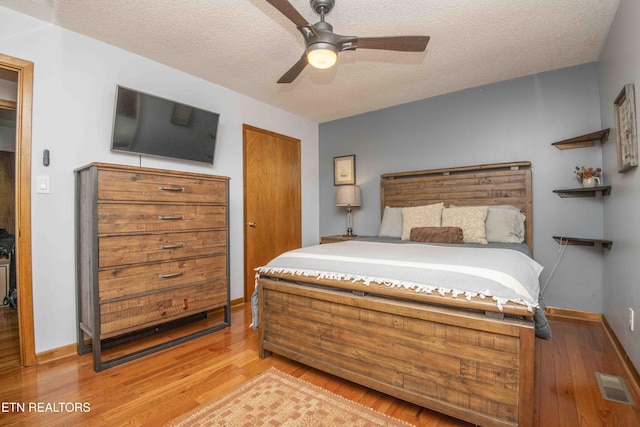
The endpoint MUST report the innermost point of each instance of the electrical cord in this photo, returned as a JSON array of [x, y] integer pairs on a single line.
[[562, 248]]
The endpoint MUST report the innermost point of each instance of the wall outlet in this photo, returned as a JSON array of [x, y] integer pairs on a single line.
[[631, 319]]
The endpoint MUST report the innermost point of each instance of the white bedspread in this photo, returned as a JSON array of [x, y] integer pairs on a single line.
[[501, 274]]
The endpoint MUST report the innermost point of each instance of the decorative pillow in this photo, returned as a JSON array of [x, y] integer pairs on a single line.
[[505, 223], [421, 216], [391, 225], [437, 234], [471, 219]]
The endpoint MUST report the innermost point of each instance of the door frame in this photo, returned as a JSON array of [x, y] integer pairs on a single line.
[[24, 105]]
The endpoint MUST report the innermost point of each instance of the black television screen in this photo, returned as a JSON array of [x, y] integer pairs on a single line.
[[147, 124]]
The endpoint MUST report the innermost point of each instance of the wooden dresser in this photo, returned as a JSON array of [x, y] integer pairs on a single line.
[[151, 250]]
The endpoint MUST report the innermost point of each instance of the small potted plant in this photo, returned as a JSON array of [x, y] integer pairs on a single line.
[[588, 176]]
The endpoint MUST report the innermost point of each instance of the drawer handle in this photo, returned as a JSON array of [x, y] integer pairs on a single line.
[[177, 245], [185, 304], [170, 275], [170, 217], [176, 189], [162, 310]]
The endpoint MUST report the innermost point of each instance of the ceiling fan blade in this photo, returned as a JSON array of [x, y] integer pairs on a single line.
[[290, 12], [400, 43], [294, 71]]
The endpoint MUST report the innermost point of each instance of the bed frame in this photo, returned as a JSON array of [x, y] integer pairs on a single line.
[[441, 353]]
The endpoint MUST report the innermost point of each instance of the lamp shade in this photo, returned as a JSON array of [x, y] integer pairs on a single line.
[[348, 195], [322, 55]]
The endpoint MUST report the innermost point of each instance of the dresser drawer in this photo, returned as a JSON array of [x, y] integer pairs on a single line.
[[123, 316], [138, 249], [118, 218], [140, 186], [118, 283]]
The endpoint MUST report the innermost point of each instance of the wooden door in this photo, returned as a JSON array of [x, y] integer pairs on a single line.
[[272, 199]]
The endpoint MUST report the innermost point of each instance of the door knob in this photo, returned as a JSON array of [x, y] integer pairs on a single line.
[[251, 224]]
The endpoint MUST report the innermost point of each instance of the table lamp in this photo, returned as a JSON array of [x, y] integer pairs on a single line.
[[349, 196]]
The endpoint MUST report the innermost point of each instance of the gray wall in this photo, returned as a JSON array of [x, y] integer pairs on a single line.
[[507, 121], [620, 64]]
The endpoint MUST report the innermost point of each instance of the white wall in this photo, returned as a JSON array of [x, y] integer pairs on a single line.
[[73, 103], [620, 65], [8, 90], [507, 121]]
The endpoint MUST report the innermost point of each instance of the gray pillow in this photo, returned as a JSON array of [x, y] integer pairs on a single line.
[[391, 225], [505, 223]]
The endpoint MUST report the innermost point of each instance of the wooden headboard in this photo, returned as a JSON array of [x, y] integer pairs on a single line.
[[493, 184]]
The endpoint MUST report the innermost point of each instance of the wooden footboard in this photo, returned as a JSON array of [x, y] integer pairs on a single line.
[[452, 361]]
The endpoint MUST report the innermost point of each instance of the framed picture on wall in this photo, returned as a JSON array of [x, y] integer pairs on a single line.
[[344, 170], [624, 108]]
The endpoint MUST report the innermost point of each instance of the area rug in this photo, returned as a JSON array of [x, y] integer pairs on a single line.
[[274, 398]]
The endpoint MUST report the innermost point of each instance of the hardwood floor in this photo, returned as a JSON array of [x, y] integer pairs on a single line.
[[9, 339], [155, 389]]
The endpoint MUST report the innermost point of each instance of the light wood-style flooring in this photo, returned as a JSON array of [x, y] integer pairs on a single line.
[[9, 339], [158, 388]]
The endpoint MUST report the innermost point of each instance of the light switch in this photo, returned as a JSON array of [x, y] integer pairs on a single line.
[[42, 184]]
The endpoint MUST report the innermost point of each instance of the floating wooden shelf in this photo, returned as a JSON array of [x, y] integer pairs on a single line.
[[588, 140], [607, 244], [584, 191]]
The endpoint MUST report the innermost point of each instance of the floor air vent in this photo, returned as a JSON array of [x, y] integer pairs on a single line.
[[613, 388]]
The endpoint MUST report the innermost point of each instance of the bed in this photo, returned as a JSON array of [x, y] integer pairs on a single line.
[[423, 336]]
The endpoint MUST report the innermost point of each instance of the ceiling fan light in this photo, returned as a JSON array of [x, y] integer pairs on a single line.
[[322, 55]]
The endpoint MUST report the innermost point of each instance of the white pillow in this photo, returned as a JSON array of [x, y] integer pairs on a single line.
[[421, 216], [391, 225], [505, 223], [471, 219]]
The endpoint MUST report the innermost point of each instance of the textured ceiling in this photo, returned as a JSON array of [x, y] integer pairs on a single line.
[[246, 45]]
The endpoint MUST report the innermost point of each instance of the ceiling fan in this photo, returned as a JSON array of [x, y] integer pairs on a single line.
[[323, 45]]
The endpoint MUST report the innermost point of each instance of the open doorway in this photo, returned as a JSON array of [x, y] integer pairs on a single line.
[[22, 72], [9, 330]]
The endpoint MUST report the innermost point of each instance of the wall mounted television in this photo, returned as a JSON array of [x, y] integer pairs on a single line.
[[149, 125]]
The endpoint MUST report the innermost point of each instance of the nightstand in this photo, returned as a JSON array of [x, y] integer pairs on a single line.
[[339, 238]]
